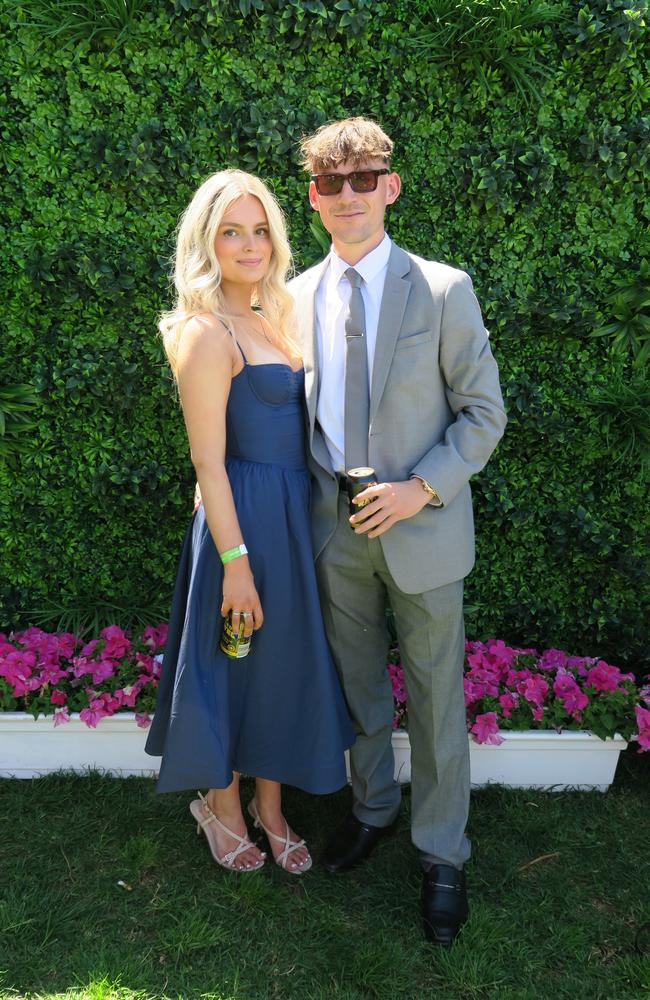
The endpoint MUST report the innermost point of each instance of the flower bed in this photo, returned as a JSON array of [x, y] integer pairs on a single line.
[[58, 674], [506, 688], [521, 689]]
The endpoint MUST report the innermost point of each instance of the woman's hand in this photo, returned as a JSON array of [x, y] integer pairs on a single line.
[[239, 594]]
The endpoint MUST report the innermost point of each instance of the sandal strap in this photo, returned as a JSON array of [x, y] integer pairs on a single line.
[[289, 845], [288, 848], [244, 842]]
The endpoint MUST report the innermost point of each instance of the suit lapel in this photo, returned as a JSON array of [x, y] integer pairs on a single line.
[[306, 308], [393, 306]]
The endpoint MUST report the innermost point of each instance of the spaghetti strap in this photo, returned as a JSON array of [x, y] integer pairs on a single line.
[[240, 350]]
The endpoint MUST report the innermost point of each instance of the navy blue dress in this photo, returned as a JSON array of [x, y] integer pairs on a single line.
[[278, 713]]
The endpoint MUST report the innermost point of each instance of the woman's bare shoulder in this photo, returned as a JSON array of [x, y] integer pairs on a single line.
[[205, 338]]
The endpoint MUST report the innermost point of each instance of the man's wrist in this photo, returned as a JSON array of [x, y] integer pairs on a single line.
[[433, 497]]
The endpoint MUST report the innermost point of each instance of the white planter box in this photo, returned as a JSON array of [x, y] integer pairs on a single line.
[[29, 747], [532, 759], [550, 760]]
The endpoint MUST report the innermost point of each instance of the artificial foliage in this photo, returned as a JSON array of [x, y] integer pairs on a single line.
[[523, 163]]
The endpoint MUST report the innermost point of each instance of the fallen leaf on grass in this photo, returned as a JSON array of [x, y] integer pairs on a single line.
[[536, 861]]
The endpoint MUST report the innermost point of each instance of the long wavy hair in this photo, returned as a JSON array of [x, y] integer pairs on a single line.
[[197, 275]]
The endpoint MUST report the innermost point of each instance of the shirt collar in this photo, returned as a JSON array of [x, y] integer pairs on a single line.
[[369, 267]]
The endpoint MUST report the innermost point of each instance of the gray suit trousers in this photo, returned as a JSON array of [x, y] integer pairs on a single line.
[[356, 588]]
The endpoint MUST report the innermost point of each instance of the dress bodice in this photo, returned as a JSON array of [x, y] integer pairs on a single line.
[[264, 416]]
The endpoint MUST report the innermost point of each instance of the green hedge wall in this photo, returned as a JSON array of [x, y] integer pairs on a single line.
[[524, 161]]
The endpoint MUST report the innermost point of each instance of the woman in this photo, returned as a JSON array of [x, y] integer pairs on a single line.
[[277, 714]]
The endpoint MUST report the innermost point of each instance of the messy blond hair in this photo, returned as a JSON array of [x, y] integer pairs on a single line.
[[353, 139], [197, 275]]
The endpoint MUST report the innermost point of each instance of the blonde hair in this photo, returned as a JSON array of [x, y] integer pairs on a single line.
[[197, 275], [354, 139]]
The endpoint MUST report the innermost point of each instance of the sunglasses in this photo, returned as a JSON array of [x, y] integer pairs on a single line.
[[361, 181]]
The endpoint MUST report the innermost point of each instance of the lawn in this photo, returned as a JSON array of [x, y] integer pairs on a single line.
[[108, 893]]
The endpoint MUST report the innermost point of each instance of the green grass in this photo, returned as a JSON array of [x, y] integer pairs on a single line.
[[558, 883]]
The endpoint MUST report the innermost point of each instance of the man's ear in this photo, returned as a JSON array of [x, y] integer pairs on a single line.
[[313, 196], [393, 187]]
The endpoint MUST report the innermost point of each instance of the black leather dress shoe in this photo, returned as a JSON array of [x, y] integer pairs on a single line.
[[444, 904], [351, 843]]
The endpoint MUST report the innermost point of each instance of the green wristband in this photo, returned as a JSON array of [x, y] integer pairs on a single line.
[[239, 550]]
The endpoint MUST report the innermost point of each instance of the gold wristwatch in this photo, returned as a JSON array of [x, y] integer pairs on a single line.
[[434, 498]]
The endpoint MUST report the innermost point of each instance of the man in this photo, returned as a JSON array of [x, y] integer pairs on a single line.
[[419, 403]]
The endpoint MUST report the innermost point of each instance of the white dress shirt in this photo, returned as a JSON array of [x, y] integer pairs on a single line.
[[332, 306]]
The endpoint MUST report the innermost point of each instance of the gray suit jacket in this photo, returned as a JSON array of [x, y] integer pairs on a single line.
[[435, 410]]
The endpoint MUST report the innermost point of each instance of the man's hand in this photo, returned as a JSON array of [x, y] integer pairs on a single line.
[[390, 502]]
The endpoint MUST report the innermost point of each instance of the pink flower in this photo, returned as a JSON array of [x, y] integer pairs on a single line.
[[21, 662], [487, 678], [643, 722], [602, 677], [100, 707], [486, 729], [30, 637], [51, 674], [90, 717], [155, 637], [102, 670], [566, 690], [398, 684], [144, 721], [116, 642], [514, 676], [129, 694], [58, 698], [16, 668], [508, 701], [499, 655], [146, 663], [552, 659], [81, 666], [473, 692], [66, 643], [533, 689], [60, 716]]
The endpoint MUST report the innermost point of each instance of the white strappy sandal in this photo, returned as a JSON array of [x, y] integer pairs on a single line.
[[204, 817], [289, 845]]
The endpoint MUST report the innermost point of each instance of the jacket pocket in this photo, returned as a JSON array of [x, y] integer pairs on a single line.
[[413, 339]]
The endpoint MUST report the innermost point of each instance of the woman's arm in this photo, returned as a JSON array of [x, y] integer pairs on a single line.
[[206, 359]]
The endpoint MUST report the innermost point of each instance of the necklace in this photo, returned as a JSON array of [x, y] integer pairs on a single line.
[[258, 318]]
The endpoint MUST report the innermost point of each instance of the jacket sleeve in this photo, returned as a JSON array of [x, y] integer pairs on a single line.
[[473, 393]]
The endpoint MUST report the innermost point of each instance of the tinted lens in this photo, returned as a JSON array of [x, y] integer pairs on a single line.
[[329, 183], [363, 180]]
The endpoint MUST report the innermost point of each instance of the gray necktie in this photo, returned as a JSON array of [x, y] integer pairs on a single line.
[[356, 378]]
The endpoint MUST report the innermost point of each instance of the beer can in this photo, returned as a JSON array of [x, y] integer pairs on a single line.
[[357, 481], [236, 646]]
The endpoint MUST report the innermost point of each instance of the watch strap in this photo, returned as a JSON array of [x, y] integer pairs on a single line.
[[434, 496]]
